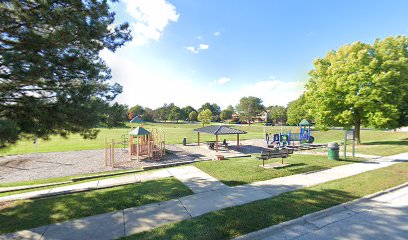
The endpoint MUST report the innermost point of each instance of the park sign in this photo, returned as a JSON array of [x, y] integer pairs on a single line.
[[350, 135]]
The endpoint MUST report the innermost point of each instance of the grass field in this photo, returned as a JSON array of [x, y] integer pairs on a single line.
[[27, 214], [375, 142], [235, 221], [238, 171]]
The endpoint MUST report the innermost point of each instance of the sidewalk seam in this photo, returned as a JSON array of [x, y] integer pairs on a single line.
[[184, 207]]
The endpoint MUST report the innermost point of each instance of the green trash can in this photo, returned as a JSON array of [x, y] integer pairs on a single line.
[[333, 151]]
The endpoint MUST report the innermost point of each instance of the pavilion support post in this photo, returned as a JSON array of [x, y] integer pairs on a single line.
[[198, 136], [238, 141], [138, 148], [216, 142], [130, 147]]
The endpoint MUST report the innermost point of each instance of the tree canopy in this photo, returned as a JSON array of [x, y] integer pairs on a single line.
[[361, 84], [249, 107], [205, 116], [297, 111], [52, 80], [214, 108], [278, 114]]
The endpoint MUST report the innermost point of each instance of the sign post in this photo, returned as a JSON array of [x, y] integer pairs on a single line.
[[349, 135]]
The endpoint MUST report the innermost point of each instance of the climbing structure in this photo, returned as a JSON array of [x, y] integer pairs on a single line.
[[146, 144]]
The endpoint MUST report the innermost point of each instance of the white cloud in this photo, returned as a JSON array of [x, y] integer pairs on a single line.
[[220, 81], [217, 34], [200, 37], [274, 92], [203, 47], [192, 49], [143, 84], [151, 17], [198, 49]]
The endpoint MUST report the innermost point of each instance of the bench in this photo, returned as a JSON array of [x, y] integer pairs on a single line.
[[283, 153]]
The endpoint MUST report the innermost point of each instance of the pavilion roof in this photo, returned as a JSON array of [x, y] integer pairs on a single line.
[[219, 130]]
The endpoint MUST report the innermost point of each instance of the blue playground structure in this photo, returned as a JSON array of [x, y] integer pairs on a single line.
[[287, 139]]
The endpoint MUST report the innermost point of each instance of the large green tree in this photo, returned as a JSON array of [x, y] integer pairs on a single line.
[[137, 110], [297, 111], [214, 108], [52, 80], [361, 85], [249, 107], [205, 116], [278, 114]]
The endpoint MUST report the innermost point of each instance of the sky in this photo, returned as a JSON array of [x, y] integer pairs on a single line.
[[189, 52]]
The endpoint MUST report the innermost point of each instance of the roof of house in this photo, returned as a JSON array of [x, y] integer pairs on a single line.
[[219, 130], [139, 131]]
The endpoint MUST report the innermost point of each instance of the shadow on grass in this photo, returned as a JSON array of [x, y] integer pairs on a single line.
[[232, 222], [403, 142], [33, 213]]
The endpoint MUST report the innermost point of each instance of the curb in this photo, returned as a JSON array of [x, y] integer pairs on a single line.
[[28, 187], [303, 219]]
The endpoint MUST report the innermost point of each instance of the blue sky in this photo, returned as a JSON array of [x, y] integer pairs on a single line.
[[194, 51]]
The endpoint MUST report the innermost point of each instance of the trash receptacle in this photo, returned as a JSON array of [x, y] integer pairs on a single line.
[[184, 141], [333, 151]]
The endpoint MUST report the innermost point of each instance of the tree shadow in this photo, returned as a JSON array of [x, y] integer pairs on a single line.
[[34, 213], [402, 142], [234, 221]]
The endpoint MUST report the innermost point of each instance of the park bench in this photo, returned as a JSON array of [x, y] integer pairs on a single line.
[[282, 153]]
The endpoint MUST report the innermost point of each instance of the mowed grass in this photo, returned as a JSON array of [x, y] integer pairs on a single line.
[[235, 221], [385, 142], [28, 214], [238, 171]]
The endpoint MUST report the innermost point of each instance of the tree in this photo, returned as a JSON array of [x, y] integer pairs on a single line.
[[214, 108], [163, 112], [175, 114], [148, 115], [137, 110], [186, 111], [360, 84], [116, 115], [226, 114], [192, 116], [230, 108], [205, 116], [249, 107], [297, 111], [52, 79], [278, 114]]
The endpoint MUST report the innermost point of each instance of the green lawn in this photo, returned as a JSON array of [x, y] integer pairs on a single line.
[[238, 171], [176, 132], [27, 214], [235, 221]]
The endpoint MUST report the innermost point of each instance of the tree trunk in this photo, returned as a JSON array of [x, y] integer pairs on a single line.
[[357, 125]]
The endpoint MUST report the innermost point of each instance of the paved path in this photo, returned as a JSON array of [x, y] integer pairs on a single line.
[[197, 180], [380, 216], [133, 220]]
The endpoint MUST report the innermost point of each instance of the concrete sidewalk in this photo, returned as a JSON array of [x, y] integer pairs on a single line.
[[192, 177], [383, 215], [134, 220]]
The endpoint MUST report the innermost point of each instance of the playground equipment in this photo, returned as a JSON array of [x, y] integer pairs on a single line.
[[139, 143], [143, 143], [285, 139]]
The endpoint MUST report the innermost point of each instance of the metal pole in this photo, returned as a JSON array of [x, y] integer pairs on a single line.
[[354, 143], [345, 145]]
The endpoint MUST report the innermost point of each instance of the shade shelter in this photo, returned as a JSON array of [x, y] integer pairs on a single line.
[[218, 130]]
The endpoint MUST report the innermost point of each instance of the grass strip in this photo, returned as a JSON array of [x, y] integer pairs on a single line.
[[28, 214], [235, 221], [246, 170]]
